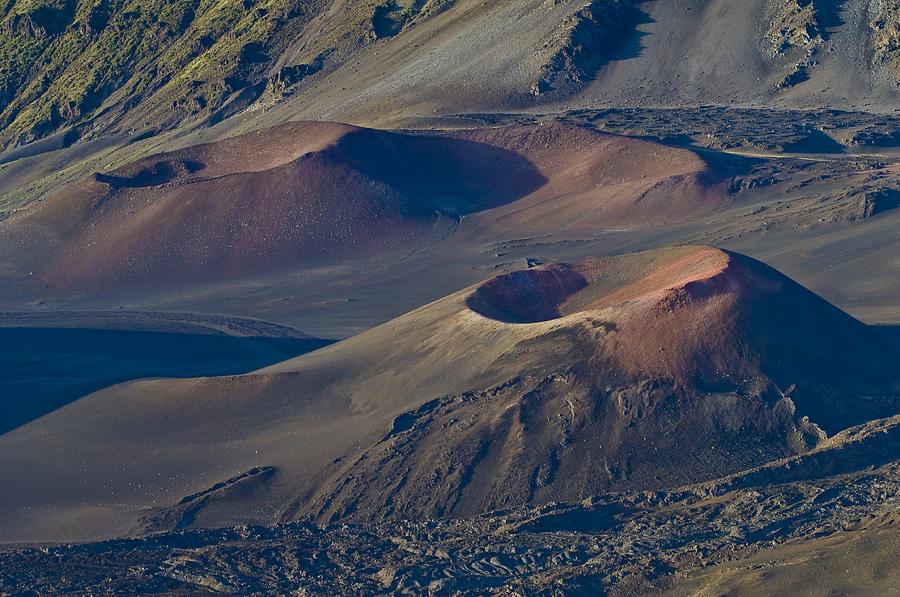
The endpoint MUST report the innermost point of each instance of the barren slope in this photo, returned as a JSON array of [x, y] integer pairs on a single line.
[[853, 561], [645, 371], [521, 54], [74, 68]]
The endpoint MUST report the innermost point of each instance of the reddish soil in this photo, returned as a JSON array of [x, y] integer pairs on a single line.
[[708, 320]]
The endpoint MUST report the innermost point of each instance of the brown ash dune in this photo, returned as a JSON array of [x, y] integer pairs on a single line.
[[644, 371], [302, 194], [305, 195]]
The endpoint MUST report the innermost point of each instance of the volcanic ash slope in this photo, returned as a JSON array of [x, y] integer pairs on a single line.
[[556, 383], [644, 371]]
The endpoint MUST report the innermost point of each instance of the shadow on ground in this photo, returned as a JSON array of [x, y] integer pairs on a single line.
[[42, 369]]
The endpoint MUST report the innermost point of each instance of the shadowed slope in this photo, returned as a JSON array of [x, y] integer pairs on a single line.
[[666, 367], [600, 181], [45, 368]]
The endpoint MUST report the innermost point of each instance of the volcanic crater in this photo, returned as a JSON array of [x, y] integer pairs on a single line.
[[644, 371]]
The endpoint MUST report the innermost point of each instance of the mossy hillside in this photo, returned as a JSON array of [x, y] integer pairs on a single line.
[[195, 53], [886, 39], [125, 65]]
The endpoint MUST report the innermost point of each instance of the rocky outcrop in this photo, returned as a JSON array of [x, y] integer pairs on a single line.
[[886, 39], [39, 19], [64, 62], [793, 35], [794, 25], [391, 17], [865, 202], [581, 44]]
